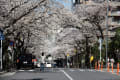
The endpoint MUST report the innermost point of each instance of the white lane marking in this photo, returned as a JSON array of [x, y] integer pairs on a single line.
[[21, 70], [91, 70], [70, 78], [94, 71], [81, 70], [31, 70], [72, 70]]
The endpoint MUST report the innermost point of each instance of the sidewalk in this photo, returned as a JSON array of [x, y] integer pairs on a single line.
[[2, 72]]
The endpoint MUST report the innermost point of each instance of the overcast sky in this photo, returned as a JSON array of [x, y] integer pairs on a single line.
[[66, 3]]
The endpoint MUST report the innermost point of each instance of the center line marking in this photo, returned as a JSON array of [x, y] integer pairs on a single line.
[[67, 75]]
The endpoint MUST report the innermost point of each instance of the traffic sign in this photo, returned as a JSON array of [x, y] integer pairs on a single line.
[[11, 43], [1, 36], [91, 58]]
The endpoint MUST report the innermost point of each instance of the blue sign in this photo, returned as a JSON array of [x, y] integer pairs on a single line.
[[11, 43], [1, 36]]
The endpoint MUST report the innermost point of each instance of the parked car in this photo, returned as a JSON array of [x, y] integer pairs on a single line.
[[48, 65], [38, 65], [25, 61]]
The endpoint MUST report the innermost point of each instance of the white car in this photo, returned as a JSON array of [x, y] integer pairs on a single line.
[[38, 65], [48, 65]]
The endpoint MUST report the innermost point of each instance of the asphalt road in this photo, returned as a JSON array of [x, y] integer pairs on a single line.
[[59, 74]]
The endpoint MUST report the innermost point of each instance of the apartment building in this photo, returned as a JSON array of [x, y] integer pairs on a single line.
[[113, 15], [86, 1]]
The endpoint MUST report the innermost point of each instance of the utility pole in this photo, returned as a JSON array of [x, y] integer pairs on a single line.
[[107, 32]]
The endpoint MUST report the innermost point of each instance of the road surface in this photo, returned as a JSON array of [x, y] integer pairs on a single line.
[[59, 74]]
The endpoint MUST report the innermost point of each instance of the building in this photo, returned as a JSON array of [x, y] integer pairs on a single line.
[[86, 1], [113, 15]]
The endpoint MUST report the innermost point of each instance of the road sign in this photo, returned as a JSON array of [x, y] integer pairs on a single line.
[[91, 58], [1, 36], [11, 43]]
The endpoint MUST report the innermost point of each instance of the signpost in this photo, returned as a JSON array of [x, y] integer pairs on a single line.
[[67, 60], [1, 38]]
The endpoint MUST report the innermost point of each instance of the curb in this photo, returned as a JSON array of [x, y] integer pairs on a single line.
[[3, 72]]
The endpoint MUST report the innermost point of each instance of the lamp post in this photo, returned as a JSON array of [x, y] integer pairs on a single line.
[[107, 31]]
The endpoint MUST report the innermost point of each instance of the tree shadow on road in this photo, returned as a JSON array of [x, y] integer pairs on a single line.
[[37, 79], [29, 79]]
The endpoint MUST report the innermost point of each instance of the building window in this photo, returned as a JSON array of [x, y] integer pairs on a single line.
[[77, 1], [116, 19], [98, 1], [115, 0]]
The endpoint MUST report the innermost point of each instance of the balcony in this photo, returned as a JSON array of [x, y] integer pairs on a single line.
[[110, 34], [115, 13], [91, 3], [114, 3], [114, 23]]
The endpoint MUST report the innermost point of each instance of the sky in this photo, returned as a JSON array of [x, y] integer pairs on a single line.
[[66, 3]]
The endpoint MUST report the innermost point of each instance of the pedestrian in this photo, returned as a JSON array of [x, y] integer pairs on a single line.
[[108, 60], [42, 67], [112, 61]]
